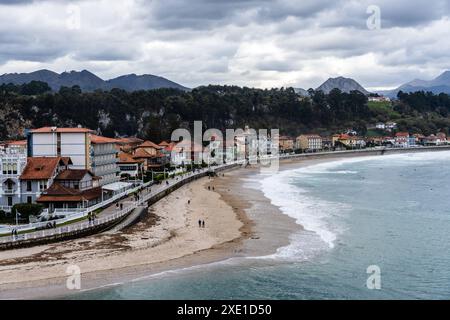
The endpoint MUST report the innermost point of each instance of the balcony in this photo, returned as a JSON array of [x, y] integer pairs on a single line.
[[97, 163], [106, 171], [103, 152], [9, 191]]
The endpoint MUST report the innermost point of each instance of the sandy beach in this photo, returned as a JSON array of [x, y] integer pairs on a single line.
[[167, 233], [167, 238]]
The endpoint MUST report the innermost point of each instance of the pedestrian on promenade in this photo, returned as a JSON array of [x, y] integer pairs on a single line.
[[203, 223], [90, 219], [199, 223], [189, 201], [121, 206], [117, 205]]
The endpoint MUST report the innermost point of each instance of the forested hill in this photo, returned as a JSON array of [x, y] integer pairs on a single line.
[[154, 114]]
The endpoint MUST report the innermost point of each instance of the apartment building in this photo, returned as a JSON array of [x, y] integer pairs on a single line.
[[13, 159], [103, 159], [309, 142], [61, 142]]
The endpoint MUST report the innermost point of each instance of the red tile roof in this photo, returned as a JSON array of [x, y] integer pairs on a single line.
[[42, 168], [141, 153], [60, 193], [402, 134], [128, 158], [56, 129], [73, 174], [149, 144], [95, 139], [16, 143], [129, 140], [164, 144]]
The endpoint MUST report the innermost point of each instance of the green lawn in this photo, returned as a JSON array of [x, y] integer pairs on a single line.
[[383, 108]]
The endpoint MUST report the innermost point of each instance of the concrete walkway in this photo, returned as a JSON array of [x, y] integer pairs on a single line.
[[111, 212]]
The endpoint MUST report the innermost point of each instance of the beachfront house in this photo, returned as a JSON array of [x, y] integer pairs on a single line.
[[309, 143], [39, 174], [129, 166], [348, 141], [72, 188], [286, 144], [401, 140]]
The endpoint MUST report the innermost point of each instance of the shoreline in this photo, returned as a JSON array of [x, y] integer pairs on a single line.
[[247, 235]]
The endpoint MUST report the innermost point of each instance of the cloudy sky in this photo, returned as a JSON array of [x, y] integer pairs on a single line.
[[257, 43]]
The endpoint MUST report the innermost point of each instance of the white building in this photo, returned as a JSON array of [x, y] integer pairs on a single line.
[[86, 150], [13, 159], [103, 159], [61, 142]]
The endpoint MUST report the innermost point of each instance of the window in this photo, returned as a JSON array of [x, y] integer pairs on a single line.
[[42, 185], [29, 199], [29, 186], [58, 143], [10, 202]]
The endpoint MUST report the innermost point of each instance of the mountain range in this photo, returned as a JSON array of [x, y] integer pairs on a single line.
[[90, 82], [440, 84]]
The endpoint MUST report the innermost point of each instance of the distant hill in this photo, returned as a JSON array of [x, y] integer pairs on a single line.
[[301, 92], [134, 82], [440, 84], [343, 84], [90, 82]]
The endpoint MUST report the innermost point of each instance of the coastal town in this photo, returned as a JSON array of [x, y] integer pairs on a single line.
[[56, 172]]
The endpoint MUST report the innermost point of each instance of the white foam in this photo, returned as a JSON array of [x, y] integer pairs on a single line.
[[316, 215]]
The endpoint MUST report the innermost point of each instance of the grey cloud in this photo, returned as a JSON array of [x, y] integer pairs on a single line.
[[218, 41]]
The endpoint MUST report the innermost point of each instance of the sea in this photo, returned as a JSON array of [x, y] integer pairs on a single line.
[[375, 227]]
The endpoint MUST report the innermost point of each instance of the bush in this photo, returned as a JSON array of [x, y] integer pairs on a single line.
[[27, 209]]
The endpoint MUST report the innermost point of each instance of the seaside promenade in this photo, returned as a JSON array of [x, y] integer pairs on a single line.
[[110, 215]]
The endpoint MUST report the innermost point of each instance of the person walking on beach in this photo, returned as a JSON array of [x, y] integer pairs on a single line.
[[203, 223], [199, 223]]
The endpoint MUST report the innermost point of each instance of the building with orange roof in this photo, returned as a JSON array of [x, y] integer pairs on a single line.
[[128, 144], [129, 166], [57, 142], [286, 143], [348, 141], [39, 174], [103, 159], [86, 149], [72, 188], [149, 147]]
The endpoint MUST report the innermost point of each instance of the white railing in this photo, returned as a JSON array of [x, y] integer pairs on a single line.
[[47, 232]]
